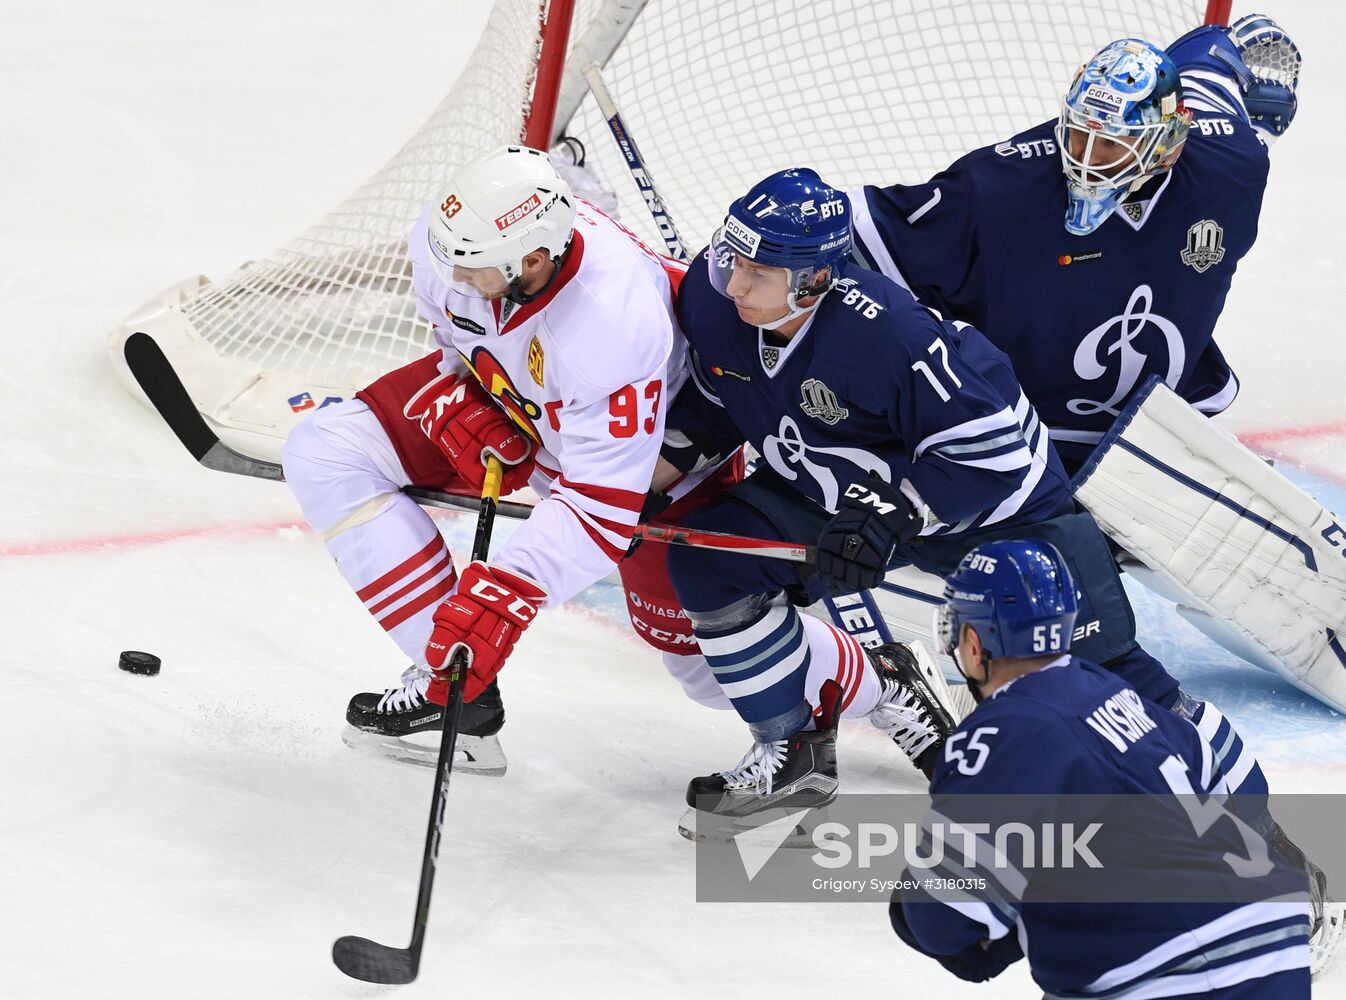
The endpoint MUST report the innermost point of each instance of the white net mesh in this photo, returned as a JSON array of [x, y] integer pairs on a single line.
[[717, 94], [336, 304]]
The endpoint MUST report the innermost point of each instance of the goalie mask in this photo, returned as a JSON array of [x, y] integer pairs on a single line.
[[1018, 595], [1122, 122], [793, 221], [495, 211]]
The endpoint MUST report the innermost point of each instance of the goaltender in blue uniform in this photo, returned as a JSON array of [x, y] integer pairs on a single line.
[[1049, 724], [1158, 162]]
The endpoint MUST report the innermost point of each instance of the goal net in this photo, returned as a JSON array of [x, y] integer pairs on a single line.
[[718, 94]]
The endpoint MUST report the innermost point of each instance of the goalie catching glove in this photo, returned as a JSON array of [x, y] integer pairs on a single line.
[[468, 426], [856, 546], [484, 618]]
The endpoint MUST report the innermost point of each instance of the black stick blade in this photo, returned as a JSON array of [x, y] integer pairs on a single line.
[[165, 390], [361, 958]]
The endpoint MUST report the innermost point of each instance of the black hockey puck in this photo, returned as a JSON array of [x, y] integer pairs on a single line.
[[134, 662]]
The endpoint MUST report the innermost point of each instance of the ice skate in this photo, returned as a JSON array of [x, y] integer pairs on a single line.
[[916, 708], [773, 780], [402, 725], [1327, 931]]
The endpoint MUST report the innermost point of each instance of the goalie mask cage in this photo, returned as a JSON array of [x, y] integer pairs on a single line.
[[718, 94]]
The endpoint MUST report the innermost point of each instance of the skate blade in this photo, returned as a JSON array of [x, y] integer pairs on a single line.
[[747, 830], [1328, 947], [471, 755]]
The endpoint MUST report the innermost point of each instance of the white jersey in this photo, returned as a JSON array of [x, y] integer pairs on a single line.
[[587, 370]]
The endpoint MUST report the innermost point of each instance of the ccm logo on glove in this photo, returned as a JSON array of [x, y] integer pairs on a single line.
[[483, 620], [491, 592], [468, 426], [862, 493]]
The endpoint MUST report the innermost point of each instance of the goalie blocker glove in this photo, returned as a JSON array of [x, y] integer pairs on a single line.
[[857, 545]]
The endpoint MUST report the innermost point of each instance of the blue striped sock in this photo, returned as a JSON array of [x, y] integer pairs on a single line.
[[761, 665]]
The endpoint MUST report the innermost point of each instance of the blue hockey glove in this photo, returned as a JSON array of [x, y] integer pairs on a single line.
[[856, 546], [977, 963]]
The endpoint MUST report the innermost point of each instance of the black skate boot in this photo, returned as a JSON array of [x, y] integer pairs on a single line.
[[772, 780], [402, 725], [1327, 929], [916, 707]]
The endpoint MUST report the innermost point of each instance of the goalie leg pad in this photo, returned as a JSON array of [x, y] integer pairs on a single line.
[[1240, 542]]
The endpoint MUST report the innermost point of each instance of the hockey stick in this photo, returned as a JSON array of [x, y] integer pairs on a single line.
[[664, 221], [635, 162], [361, 958], [161, 384]]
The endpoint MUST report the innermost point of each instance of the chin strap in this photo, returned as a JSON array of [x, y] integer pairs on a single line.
[[521, 298], [796, 310]]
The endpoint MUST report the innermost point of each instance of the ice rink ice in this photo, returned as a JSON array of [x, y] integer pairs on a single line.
[[204, 834]]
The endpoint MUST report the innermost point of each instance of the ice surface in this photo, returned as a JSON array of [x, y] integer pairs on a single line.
[[204, 833]]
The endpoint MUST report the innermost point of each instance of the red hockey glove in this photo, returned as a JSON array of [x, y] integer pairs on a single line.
[[486, 615], [467, 425]]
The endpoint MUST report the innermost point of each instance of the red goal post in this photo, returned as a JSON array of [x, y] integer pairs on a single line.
[[717, 93]]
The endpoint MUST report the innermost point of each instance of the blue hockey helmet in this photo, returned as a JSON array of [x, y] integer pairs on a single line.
[[1017, 594], [1122, 121], [792, 220]]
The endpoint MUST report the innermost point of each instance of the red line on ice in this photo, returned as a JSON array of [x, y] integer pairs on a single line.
[[100, 543], [133, 540], [1293, 433]]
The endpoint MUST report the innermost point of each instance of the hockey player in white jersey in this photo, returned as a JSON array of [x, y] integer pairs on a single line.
[[557, 351]]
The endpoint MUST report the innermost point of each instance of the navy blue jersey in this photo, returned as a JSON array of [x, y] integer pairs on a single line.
[[871, 384], [1075, 729], [1086, 319]]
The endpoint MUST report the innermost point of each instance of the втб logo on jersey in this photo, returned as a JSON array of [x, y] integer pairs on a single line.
[[1205, 246], [1108, 346]]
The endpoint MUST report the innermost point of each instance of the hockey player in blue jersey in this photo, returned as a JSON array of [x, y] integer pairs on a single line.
[[888, 437], [1156, 165], [1051, 724]]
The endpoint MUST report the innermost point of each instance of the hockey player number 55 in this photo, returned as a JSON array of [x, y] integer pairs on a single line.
[[1203, 811], [952, 752], [624, 405]]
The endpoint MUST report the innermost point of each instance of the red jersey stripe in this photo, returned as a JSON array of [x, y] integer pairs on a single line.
[[610, 495], [605, 546]]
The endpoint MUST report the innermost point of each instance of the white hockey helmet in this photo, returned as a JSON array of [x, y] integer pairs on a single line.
[[498, 209]]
